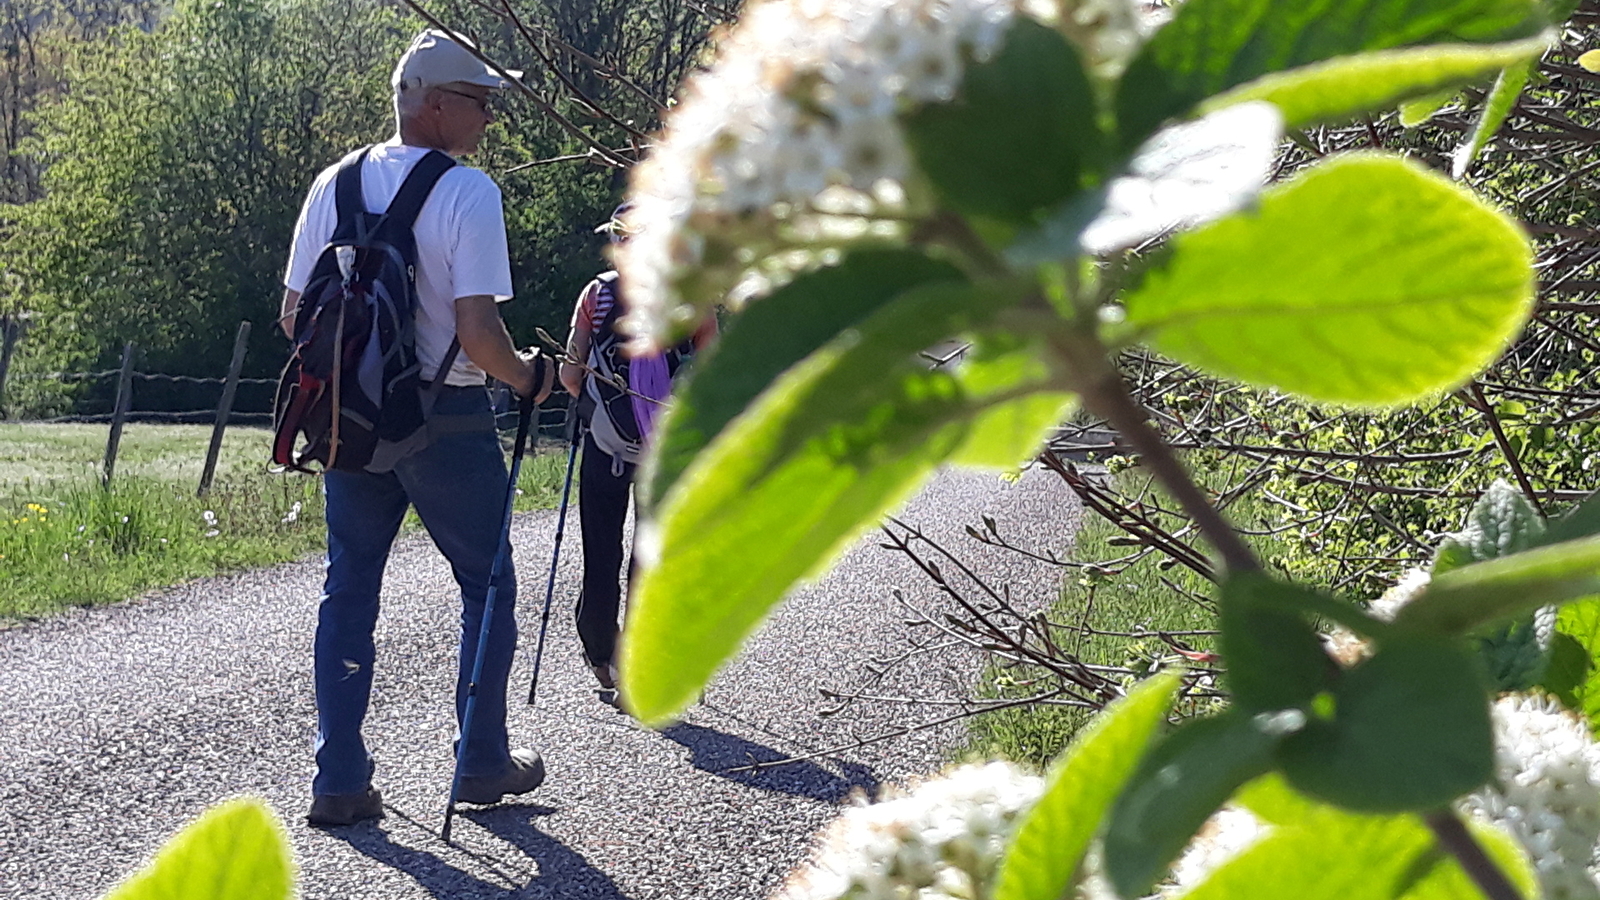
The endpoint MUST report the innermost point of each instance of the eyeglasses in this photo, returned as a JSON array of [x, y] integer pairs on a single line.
[[482, 102]]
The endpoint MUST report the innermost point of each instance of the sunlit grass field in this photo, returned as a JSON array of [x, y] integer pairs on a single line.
[[67, 541]]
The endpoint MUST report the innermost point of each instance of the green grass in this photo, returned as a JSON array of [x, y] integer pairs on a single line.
[[65, 541], [1139, 598]]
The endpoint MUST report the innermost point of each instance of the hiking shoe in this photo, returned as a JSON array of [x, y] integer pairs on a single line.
[[524, 773], [606, 675], [334, 810]]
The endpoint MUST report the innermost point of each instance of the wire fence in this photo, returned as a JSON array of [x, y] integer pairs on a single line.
[[551, 418], [205, 416]]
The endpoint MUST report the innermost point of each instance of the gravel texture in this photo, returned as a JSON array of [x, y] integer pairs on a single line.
[[121, 723]]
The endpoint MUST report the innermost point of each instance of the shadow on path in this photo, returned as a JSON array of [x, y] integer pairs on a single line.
[[560, 872], [717, 752], [563, 872]]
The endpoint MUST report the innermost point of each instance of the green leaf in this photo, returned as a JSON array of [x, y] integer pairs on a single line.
[[1582, 520], [1178, 785], [1214, 46], [1047, 848], [1501, 522], [1577, 675], [235, 851], [1415, 112], [1308, 602], [1274, 658], [1452, 553], [1020, 136], [1379, 302], [1187, 175], [1323, 853], [837, 441], [1446, 880], [1560, 11], [1464, 600], [770, 336], [1502, 97], [1346, 858], [1410, 731], [1572, 663], [1273, 801], [1005, 435], [1340, 88]]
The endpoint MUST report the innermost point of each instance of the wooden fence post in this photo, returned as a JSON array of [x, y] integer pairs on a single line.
[[119, 414], [224, 409]]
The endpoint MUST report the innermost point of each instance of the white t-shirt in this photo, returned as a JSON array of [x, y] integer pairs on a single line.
[[461, 245]]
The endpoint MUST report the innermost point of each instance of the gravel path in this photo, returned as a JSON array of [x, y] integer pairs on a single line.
[[119, 724]]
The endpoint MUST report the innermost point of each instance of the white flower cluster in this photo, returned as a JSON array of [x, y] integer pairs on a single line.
[[791, 139], [942, 841], [1546, 792], [791, 145]]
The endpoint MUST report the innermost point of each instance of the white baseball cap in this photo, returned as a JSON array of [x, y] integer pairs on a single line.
[[434, 59]]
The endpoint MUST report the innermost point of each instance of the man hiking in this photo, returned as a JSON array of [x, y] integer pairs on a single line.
[[457, 480], [619, 422]]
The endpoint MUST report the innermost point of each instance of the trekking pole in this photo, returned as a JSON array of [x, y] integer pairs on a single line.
[[524, 417], [573, 439]]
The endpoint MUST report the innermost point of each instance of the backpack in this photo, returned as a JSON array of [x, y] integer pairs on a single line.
[[616, 398], [353, 387]]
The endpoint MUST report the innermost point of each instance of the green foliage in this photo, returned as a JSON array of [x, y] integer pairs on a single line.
[[1214, 46], [835, 442], [30, 72], [1365, 280], [1334, 89], [1178, 785], [235, 851], [1575, 667], [1501, 523], [1333, 306], [66, 541], [1463, 600], [175, 168], [1407, 729], [1275, 658], [1019, 136], [1050, 842], [1318, 851], [774, 335], [1312, 294], [1496, 107]]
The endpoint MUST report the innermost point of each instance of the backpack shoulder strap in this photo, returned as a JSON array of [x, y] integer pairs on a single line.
[[407, 202], [605, 287], [348, 199]]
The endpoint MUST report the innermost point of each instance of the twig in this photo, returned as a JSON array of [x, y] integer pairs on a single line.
[[1505, 449], [1454, 837], [898, 732]]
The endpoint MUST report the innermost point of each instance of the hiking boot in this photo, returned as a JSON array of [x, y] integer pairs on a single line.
[[606, 675], [334, 810], [523, 773]]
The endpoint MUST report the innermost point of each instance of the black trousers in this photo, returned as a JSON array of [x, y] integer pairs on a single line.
[[602, 508]]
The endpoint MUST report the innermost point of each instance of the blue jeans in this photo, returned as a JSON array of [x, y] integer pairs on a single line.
[[458, 485]]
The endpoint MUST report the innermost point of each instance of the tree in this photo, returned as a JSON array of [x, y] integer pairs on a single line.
[[173, 170], [30, 69], [174, 164]]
